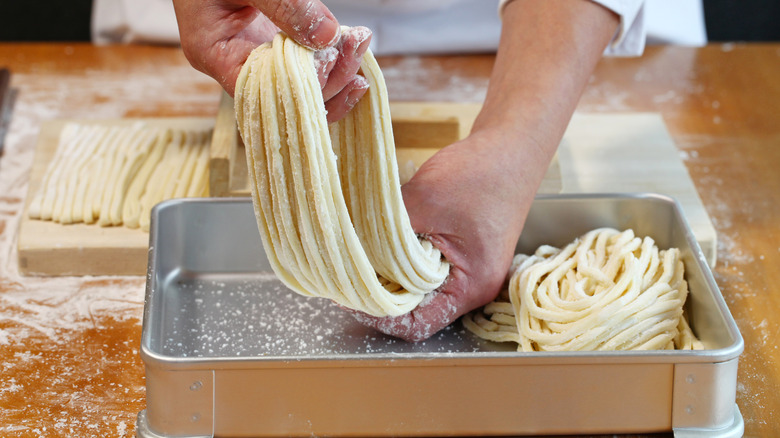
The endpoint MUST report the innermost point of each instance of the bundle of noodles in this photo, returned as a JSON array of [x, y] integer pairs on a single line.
[[327, 199], [607, 290]]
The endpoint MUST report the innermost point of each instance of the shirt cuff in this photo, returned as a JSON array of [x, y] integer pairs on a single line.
[[629, 40]]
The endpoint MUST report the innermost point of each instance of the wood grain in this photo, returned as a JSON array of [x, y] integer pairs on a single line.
[[69, 346]]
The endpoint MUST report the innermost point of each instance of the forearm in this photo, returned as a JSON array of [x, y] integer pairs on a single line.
[[548, 50]]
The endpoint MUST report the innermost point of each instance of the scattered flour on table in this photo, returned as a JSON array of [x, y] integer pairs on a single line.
[[754, 386], [604, 97], [668, 97], [47, 324], [410, 78], [46, 305]]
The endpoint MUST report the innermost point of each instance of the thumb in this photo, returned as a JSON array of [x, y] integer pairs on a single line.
[[309, 22]]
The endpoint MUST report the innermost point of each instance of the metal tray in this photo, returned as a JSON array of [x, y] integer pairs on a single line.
[[230, 351]]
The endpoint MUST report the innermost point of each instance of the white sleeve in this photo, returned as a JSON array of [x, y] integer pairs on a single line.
[[631, 35], [629, 40], [134, 21]]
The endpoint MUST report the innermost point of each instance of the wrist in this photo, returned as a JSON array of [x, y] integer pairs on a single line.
[[514, 162]]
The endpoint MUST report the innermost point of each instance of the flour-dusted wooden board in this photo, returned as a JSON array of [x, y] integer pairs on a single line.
[[630, 153], [48, 248]]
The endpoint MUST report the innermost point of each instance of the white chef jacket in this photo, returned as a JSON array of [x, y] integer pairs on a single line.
[[423, 26]]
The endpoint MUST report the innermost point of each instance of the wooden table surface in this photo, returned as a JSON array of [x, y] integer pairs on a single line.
[[69, 362]]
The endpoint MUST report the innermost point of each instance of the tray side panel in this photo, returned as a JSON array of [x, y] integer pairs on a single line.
[[443, 400], [208, 237], [558, 220], [704, 395], [179, 403]]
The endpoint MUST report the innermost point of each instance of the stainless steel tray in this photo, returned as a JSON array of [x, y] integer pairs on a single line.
[[230, 351]]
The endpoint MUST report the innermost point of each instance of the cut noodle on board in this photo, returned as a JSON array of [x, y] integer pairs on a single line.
[[607, 290], [115, 174]]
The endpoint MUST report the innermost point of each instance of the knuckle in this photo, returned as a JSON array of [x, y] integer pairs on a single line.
[[297, 15]]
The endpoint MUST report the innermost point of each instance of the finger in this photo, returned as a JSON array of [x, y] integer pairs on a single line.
[[338, 106], [228, 59], [216, 38], [308, 22], [324, 60], [429, 317], [353, 44]]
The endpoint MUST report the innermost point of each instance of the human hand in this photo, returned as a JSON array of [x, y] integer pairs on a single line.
[[218, 35], [470, 200]]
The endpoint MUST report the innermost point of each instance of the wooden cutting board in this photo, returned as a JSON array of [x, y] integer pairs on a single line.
[[607, 153], [632, 153], [419, 129]]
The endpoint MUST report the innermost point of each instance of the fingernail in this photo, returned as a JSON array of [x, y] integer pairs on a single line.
[[361, 33], [353, 97], [361, 39], [361, 85], [360, 82], [324, 32], [324, 58]]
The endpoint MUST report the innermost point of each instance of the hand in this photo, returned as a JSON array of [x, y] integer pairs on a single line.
[[218, 35], [337, 69], [470, 200]]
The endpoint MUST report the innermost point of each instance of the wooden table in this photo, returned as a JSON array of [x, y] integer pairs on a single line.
[[69, 363]]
